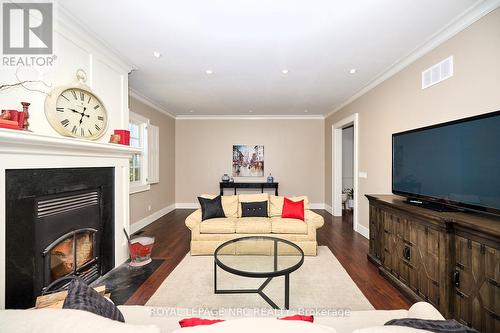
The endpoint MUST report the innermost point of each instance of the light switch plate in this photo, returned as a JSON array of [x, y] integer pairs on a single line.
[[362, 174]]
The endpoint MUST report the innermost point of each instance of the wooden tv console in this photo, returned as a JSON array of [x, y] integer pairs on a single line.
[[451, 260]]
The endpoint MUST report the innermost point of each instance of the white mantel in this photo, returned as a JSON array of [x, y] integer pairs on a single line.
[[25, 150], [24, 142]]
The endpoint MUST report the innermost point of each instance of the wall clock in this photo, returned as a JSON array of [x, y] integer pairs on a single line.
[[75, 111]]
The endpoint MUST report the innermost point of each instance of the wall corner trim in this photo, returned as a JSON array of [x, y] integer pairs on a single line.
[[463, 21], [141, 98], [136, 226]]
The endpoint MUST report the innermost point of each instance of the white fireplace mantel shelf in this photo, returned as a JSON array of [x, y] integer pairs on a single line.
[[24, 142]]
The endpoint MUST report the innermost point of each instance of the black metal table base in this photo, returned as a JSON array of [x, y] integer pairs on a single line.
[[259, 290]]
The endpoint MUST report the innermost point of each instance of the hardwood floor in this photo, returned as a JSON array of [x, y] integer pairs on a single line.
[[172, 239], [350, 248]]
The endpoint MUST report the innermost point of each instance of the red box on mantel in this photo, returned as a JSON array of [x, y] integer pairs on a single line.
[[13, 121], [124, 136]]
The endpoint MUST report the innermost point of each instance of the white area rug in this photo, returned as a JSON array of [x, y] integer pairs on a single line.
[[321, 282]]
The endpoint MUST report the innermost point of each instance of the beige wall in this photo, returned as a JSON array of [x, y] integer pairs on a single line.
[[162, 194], [399, 103], [293, 153]]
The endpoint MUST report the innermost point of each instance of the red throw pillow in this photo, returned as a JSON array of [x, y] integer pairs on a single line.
[[292, 209], [190, 322], [299, 317]]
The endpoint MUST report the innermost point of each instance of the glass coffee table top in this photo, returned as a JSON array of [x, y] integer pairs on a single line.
[[259, 256]]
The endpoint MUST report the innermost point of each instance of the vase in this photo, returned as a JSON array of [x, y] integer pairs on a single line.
[[270, 179], [225, 178]]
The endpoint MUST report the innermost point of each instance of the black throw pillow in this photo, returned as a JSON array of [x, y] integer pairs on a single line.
[[211, 208], [82, 297], [254, 209], [437, 326]]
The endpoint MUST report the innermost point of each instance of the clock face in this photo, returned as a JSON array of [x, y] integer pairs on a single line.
[[80, 113]]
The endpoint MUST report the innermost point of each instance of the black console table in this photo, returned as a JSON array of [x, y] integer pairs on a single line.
[[236, 185]]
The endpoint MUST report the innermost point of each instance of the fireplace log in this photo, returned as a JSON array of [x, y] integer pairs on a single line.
[[56, 300]]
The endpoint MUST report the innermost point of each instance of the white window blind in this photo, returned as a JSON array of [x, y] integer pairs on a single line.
[[154, 154]]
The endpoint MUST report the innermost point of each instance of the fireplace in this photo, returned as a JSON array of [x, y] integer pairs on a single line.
[[60, 223], [76, 252]]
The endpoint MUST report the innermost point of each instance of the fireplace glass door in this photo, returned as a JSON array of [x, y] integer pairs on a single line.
[[73, 254]]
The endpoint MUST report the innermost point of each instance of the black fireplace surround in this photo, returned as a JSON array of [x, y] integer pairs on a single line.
[[49, 212]]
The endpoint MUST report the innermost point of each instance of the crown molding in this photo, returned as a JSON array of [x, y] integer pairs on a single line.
[[140, 97], [461, 22], [71, 26], [245, 117]]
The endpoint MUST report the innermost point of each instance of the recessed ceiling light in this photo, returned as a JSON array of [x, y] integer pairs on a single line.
[[306, 111], [352, 71], [209, 71], [250, 111], [191, 111], [284, 71], [157, 54]]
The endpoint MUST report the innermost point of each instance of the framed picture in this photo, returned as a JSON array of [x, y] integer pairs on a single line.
[[248, 161]]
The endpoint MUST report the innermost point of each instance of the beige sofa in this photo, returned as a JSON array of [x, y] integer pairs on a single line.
[[207, 235]]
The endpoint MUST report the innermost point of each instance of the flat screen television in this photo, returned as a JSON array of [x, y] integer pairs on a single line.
[[452, 165]]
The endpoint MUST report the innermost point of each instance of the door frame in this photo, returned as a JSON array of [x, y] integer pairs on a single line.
[[352, 120]]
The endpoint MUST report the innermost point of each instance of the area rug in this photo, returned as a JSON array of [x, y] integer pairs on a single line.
[[321, 282]]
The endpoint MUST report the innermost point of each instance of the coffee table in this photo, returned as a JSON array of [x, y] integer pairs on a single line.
[[258, 257]]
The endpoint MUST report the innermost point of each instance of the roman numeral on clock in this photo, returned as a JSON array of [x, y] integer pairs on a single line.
[[96, 107], [74, 94], [82, 96], [100, 118], [97, 128], [74, 130], [82, 131], [65, 122], [60, 109]]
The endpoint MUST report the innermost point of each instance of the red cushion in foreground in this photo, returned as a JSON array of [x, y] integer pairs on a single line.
[[299, 317], [292, 209], [190, 322]]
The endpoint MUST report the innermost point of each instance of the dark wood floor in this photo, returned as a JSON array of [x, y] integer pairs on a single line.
[[350, 248]]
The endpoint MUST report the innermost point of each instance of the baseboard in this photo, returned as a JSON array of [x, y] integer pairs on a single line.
[[329, 209], [150, 218], [317, 206], [187, 205], [364, 231]]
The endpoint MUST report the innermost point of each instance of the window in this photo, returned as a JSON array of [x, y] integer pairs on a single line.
[[138, 127]]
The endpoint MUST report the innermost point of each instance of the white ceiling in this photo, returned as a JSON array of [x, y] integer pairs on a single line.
[[247, 44]]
